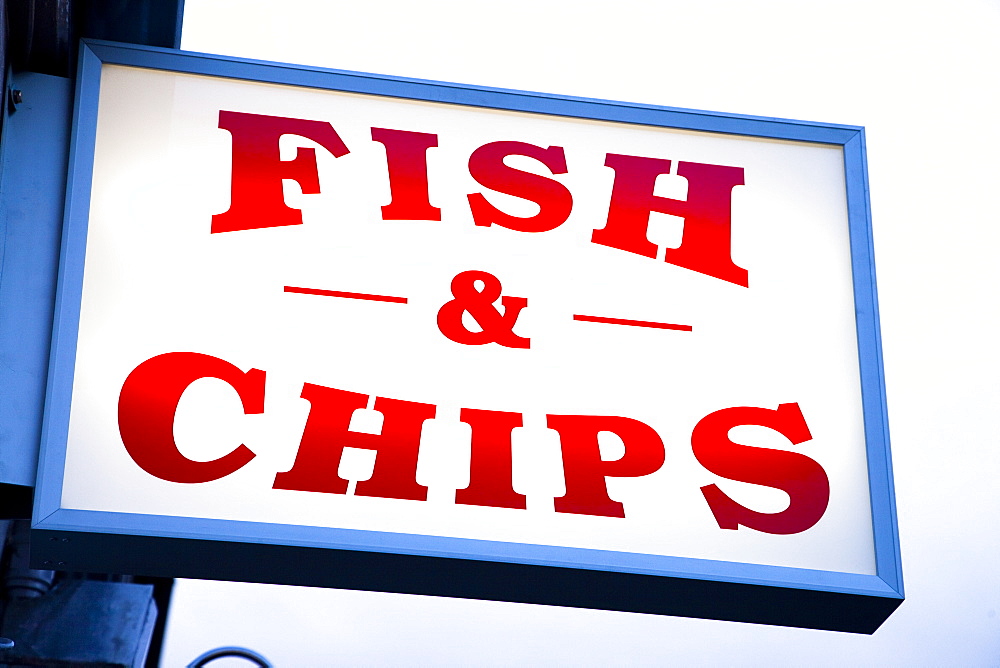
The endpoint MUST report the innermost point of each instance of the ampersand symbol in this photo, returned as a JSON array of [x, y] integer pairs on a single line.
[[479, 304]]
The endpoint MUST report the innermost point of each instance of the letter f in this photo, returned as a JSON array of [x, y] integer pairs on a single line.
[[257, 197]]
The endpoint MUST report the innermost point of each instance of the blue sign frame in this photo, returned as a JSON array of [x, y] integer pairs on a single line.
[[69, 539]]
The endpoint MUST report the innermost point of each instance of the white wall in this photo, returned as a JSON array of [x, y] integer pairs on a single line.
[[921, 77]]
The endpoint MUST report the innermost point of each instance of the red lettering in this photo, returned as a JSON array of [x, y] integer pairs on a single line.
[[150, 395], [707, 239], [148, 402], [486, 165], [326, 435], [585, 471], [491, 472], [800, 477], [406, 156], [257, 197]]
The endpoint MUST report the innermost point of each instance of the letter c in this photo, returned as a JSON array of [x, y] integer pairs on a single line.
[[148, 402]]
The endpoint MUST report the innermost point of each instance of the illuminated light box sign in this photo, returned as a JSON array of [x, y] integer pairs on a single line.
[[336, 329]]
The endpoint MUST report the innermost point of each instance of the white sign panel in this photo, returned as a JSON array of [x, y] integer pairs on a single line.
[[552, 338]]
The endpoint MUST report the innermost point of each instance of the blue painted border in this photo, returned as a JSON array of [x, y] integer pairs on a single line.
[[35, 140], [50, 517]]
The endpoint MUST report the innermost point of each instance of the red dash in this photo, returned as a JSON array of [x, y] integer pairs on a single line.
[[631, 323], [345, 295]]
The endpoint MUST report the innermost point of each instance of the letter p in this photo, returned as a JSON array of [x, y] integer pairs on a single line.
[[585, 471]]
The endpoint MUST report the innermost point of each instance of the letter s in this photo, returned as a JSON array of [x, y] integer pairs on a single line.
[[148, 402], [800, 477], [486, 165]]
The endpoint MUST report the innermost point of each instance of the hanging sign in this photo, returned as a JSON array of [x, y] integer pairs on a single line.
[[337, 329]]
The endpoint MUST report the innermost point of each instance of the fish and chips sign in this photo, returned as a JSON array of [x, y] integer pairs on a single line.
[[337, 329]]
